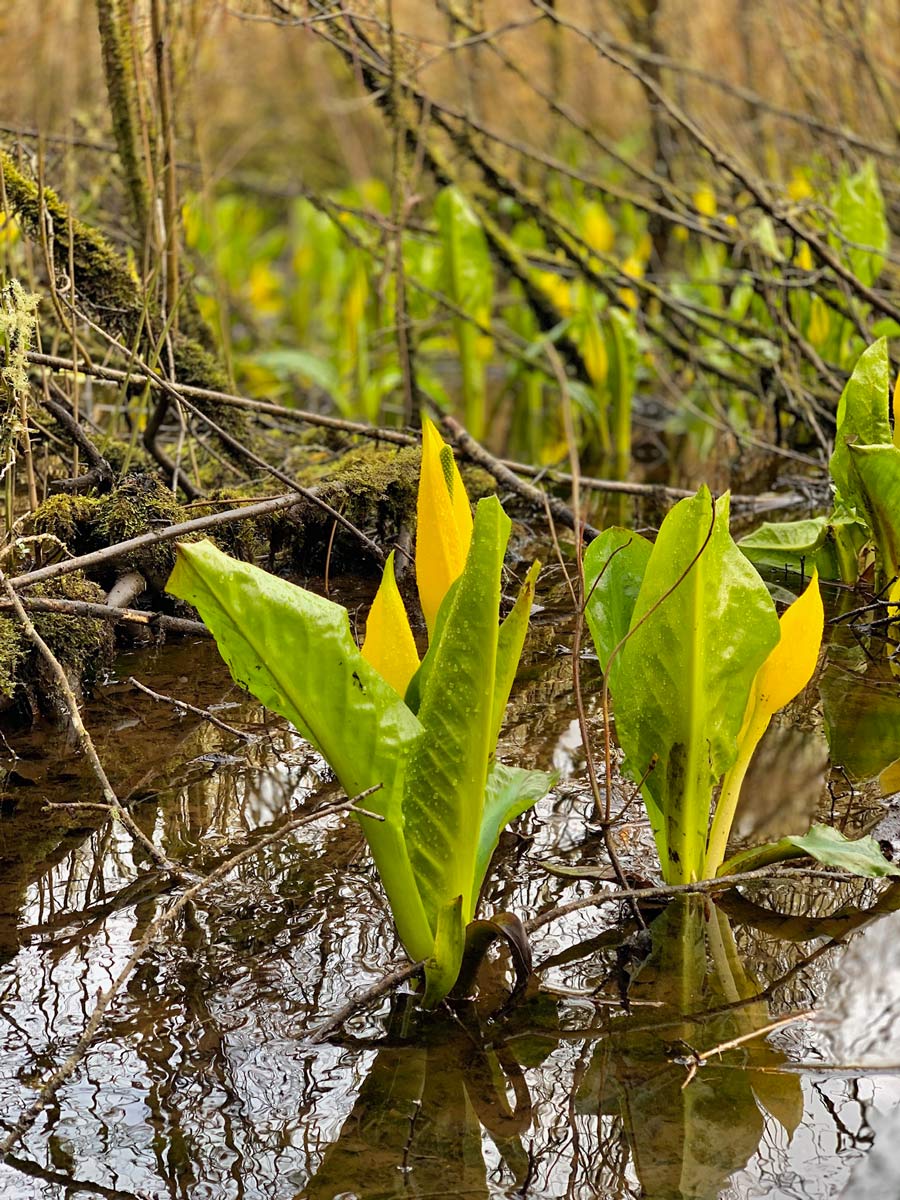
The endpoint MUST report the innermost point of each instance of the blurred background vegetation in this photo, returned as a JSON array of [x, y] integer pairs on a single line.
[[656, 232]]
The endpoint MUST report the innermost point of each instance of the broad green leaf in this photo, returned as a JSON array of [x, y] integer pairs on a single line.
[[829, 544], [860, 856], [876, 471], [442, 967], [509, 647], [686, 671], [787, 670], [862, 418], [448, 768], [294, 651], [510, 792], [389, 644], [895, 411], [416, 688], [614, 566], [444, 523], [785, 543], [862, 235]]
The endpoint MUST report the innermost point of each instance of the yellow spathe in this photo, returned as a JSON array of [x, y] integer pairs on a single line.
[[790, 666], [784, 674], [389, 646], [444, 523]]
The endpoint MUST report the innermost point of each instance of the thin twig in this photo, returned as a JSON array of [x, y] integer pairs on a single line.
[[200, 712]]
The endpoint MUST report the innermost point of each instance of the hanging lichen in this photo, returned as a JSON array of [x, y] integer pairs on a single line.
[[18, 323]]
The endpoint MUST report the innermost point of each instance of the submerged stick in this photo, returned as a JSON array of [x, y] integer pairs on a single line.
[[199, 712], [379, 988]]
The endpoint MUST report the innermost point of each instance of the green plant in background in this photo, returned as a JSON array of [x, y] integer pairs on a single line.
[[688, 638], [309, 299], [865, 470], [466, 276], [424, 733]]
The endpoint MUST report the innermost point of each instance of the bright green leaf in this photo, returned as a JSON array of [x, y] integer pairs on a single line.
[[509, 647], [862, 418], [614, 566], [876, 472], [448, 768], [685, 673], [862, 236], [294, 651], [510, 792], [442, 966], [826, 845]]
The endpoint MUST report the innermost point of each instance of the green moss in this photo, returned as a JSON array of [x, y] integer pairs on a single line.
[[71, 518], [375, 486], [139, 504], [103, 279], [108, 288], [82, 645], [123, 457]]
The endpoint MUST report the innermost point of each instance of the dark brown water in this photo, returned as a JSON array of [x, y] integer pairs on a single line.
[[203, 1081]]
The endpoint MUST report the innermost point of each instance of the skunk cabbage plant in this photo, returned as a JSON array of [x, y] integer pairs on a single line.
[[424, 733], [697, 663], [865, 471]]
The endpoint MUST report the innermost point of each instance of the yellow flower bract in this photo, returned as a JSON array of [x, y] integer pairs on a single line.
[[790, 665], [389, 645], [443, 536], [444, 523]]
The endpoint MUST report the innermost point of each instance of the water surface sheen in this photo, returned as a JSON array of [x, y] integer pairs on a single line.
[[203, 1081]]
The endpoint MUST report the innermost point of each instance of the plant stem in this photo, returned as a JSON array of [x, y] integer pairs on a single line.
[[727, 807]]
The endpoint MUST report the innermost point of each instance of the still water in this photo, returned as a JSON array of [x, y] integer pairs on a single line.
[[204, 1082]]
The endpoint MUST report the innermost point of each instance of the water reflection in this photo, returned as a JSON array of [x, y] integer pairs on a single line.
[[423, 1111], [202, 1082]]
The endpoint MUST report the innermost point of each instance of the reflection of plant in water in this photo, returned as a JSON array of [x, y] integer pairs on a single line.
[[686, 1141], [432, 1091], [861, 709], [416, 1126]]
